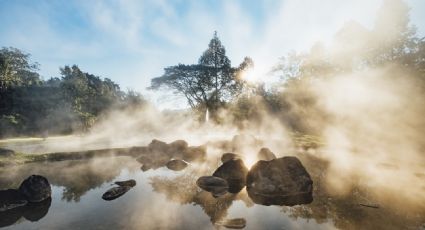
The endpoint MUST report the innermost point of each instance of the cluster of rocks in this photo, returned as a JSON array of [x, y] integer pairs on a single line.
[[174, 155], [31, 200], [271, 181], [121, 189]]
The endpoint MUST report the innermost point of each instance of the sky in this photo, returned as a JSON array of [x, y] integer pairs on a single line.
[[132, 41]]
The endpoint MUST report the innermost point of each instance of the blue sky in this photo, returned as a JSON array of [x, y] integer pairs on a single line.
[[132, 41]]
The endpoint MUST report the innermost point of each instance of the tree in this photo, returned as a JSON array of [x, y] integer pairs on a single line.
[[16, 69], [208, 84]]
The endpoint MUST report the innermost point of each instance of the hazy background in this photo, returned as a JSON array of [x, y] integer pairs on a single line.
[[131, 42]]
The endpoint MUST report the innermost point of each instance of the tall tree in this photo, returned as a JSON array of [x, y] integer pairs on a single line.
[[208, 84]]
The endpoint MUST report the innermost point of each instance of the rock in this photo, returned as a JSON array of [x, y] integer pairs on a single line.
[[129, 183], [20, 207], [243, 141], [282, 181], [237, 223], [216, 185], [157, 146], [115, 192], [195, 153], [35, 188], [266, 155], [6, 152], [10, 199], [229, 156], [178, 146], [234, 172], [177, 165]]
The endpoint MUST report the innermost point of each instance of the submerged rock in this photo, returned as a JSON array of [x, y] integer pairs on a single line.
[[177, 165], [129, 183], [234, 172], [35, 188], [229, 156], [10, 199], [115, 192], [266, 155], [237, 223], [216, 185], [282, 181]]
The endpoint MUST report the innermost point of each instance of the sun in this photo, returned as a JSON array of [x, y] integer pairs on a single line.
[[251, 75]]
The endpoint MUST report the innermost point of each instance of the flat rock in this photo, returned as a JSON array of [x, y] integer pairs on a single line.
[[35, 188], [115, 192], [282, 181], [129, 183], [216, 185]]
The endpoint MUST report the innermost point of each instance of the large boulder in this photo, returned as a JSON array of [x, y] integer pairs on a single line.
[[266, 155], [282, 181], [234, 172], [35, 188]]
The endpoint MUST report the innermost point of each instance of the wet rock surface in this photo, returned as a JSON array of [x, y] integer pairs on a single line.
[[266, 154], [234, 172], [115, 192], [35, 188], [129, 183], [282, 181], [215, 185], [177, 165]]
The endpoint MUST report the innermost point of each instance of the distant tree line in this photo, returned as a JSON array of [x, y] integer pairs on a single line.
[[70, 103]]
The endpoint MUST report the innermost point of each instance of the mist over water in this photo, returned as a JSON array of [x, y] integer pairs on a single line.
[[351, 110]]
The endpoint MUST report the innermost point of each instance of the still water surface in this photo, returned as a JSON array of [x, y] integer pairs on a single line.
[[164, 199]]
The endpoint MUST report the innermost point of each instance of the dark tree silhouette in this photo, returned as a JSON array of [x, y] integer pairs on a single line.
[[208, 84]]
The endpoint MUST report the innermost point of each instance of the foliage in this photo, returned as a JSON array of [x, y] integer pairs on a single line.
[[31, 106], [210, 83]]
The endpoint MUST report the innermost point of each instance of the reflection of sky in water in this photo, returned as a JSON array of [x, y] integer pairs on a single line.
[[168, 208]]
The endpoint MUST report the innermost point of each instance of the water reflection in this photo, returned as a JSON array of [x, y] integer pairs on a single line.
[[170, 199], [32, 212]]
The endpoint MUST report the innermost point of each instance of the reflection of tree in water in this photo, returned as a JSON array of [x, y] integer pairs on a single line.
[[183, 189], [76, 176]]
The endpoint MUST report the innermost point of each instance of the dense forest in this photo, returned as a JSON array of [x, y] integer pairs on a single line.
[[70, 103]]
